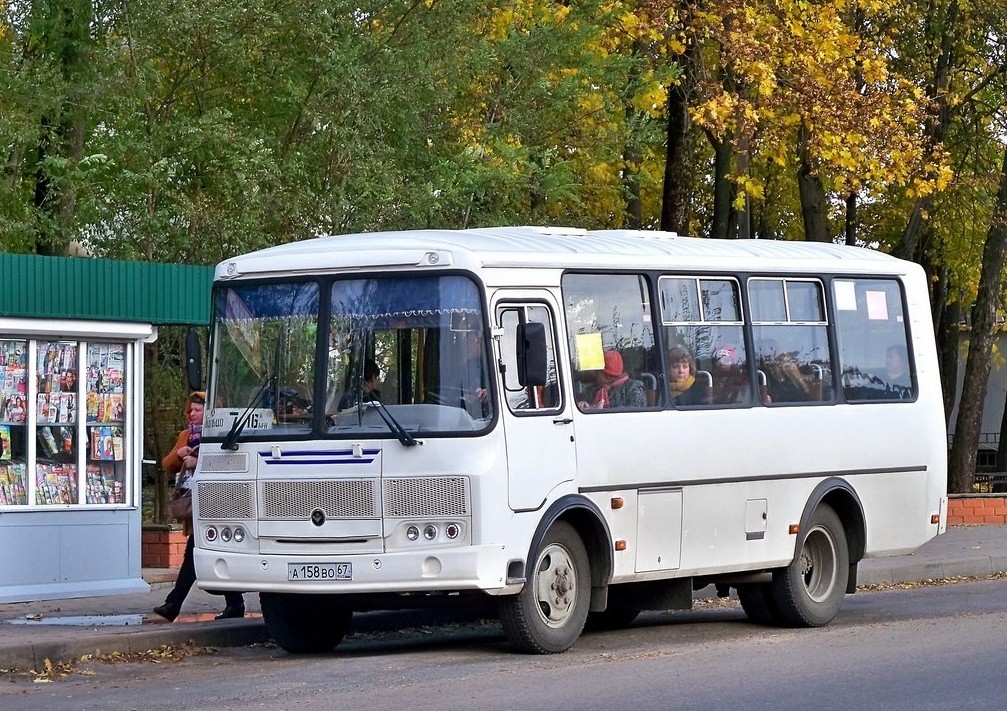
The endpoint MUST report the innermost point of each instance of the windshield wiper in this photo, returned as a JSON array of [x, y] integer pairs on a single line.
[[231, 439], [398, 430]]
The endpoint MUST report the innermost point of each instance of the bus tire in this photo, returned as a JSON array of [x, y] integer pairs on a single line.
[[549, 613], [305, 624], [757, 602], [810, 591]]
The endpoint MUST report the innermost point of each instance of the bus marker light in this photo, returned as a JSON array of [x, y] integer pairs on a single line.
[[618, 502], [795, 528], [620, 545], [935, 518]]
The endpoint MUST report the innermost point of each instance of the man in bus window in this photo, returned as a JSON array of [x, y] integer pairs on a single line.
[[368, 389]]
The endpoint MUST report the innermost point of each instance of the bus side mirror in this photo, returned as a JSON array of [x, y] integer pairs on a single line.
[[532, 355], [193, 360]]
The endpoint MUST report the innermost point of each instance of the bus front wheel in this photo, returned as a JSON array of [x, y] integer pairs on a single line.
[[305, 624], [548, 615], [810, 591]]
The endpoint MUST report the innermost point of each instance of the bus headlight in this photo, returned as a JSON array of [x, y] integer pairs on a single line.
[[239, 534], [430, 532], [452, 531], [225, 534], [412, 533], [211, 533]]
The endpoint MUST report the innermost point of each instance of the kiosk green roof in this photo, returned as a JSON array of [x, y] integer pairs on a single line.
[[33, 286]]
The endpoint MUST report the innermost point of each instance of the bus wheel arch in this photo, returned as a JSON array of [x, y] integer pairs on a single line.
[[841, 497], [809, 591], [567, 570]]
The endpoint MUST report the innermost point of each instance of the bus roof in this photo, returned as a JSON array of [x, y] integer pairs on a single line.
[[551, 248]]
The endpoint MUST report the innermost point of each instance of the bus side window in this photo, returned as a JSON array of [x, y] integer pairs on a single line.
[[703, 324], [873, 343], [791, 340], [611, 335]]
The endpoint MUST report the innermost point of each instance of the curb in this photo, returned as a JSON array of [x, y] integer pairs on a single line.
[[75, 643], [976, 566]]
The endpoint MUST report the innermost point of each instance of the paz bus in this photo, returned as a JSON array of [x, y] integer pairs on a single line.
[[421, 417]]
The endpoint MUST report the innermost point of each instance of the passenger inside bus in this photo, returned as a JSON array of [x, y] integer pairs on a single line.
[[896, 373], [613, 388], [687, 386], [368, 388], [730, 378], [784, 380]]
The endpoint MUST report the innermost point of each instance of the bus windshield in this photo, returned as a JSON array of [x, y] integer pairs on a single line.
[[398, 355]]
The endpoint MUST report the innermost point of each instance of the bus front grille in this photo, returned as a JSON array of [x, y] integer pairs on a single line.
[[341, 498], [225, 500], [408, 497], [426, 496]]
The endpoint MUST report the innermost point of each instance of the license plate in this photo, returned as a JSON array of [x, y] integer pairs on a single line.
[[319, 571]]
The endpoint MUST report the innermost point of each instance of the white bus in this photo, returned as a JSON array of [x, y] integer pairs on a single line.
[[420, 417]]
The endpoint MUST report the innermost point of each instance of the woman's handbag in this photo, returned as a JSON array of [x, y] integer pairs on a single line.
[[180, 503]]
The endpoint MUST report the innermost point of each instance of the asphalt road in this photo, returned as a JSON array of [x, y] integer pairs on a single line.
[[932, 647]]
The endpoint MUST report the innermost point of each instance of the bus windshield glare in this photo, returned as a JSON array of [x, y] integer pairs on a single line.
[[398, 355]]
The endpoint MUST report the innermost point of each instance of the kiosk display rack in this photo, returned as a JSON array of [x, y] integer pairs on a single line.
[[55, 423], [63, 423], [13, 414], [106, 417]]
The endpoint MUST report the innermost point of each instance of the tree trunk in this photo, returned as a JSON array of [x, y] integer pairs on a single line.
[[809, 184], [948, 345], [851, 220], [64, 37], [674, 191], [723, 190], [911, 245], [962, 461], [631, 153]]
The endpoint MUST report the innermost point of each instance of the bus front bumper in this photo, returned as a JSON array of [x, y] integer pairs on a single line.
[[481, 568]]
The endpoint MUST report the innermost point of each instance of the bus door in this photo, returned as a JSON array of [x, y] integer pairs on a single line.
[[537, 422]]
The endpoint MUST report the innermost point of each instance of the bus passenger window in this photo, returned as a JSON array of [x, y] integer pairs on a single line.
[[612, 346], [702, 324], [873, 343], [790, 328]]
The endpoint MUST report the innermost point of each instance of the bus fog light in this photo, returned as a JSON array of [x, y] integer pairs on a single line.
[[211, 533], [452, 530], [225, 534], [239, 534], [412, 533], [430, 532]]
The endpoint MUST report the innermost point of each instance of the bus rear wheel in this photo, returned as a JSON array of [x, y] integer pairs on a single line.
[[548, 615], [809, 592], [305, 624]]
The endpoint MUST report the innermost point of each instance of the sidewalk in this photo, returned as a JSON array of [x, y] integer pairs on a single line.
[[66, 629]]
